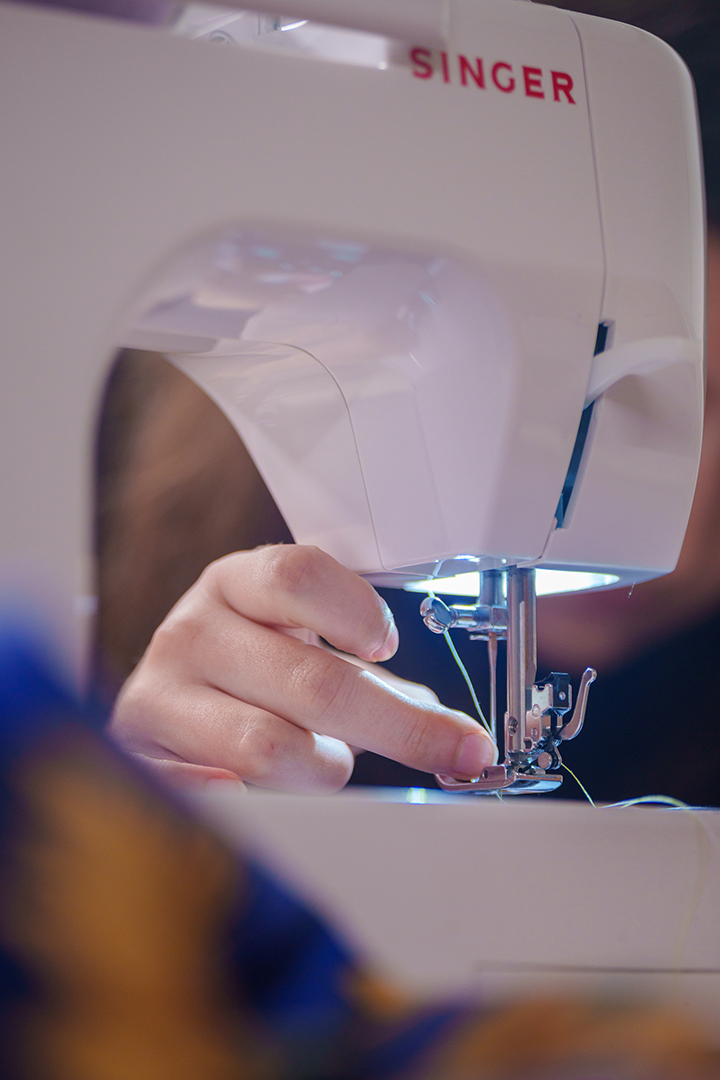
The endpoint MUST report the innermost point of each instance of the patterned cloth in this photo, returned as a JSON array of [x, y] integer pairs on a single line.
[[135, 946]]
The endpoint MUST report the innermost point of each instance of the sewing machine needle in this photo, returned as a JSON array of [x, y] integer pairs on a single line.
[[492, 662]]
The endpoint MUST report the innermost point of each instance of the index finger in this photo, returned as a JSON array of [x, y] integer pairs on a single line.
[[300, 586], [314, 689]]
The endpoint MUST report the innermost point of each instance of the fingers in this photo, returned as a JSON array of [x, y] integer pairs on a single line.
[[220, 687], [182, 774], [294, 586], [318, 691], [221, 735], [413, 690]]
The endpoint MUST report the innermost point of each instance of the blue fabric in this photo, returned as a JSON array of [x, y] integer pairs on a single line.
[[291, 963], [34, 700], [287, 969]]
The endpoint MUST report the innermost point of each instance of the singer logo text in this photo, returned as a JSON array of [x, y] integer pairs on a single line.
[[532, 82]]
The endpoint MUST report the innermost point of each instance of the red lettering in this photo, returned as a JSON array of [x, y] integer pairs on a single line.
[[502, 75], [562, 84], [423, 69], [476, 72], [533, 82], [510, 84]]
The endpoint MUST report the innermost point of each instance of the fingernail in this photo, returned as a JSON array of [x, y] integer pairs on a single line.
[[475, 754], [389, 645]]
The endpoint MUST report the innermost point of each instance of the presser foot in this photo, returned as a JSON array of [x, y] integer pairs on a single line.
[[504, 779]]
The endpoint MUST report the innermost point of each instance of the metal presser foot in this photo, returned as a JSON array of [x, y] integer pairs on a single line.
[[538, 717]]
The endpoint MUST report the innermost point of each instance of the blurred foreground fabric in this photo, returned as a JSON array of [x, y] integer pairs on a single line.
[[135, 946]]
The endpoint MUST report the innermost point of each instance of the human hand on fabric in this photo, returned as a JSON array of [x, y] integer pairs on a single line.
[[234, 687]]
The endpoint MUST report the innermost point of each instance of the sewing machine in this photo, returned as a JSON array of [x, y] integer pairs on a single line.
[[439, 261], [448, 285], [497, 395]]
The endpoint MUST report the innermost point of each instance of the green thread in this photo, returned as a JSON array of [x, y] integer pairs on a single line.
[[582, 787], [658, 800], [466, 677]]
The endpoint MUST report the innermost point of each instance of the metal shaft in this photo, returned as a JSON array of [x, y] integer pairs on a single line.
[[492, 665], [491, 595], [521, 655]]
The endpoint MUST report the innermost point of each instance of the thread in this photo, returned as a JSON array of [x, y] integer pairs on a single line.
[[582, 787], [466, 677]]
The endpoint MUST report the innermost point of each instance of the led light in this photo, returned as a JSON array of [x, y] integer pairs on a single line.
[[294, 25], [547, 582]]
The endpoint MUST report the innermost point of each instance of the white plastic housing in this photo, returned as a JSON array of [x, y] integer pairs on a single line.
[[389, 275], [467, 897]]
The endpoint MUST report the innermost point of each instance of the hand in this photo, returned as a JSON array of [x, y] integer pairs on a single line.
[[232, 687]]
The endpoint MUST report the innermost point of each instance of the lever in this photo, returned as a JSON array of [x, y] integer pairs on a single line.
[[574, 726]]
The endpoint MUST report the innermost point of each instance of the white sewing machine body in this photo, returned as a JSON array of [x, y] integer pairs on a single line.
[[389, 276], [463, 896], [443, 367]]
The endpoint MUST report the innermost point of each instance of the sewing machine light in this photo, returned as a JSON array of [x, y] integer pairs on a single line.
[[547, 583]]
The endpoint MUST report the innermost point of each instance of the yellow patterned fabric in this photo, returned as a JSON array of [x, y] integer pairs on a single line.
[[118, 905]]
